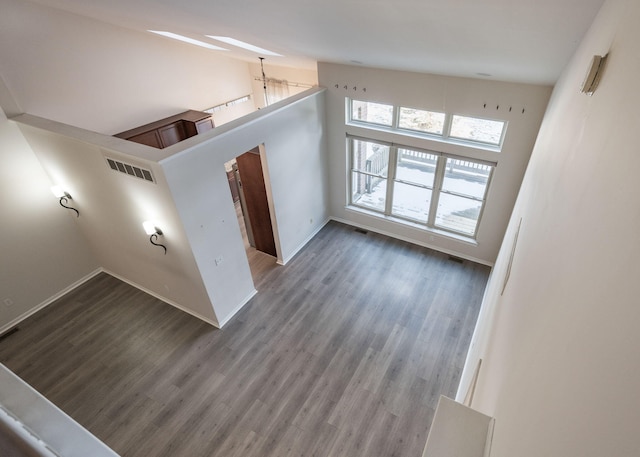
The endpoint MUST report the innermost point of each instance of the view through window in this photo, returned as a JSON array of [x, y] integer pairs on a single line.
[[419, 186], [427, 188]]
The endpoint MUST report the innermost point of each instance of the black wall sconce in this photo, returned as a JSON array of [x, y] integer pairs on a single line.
[[153, 232], [64, 198]]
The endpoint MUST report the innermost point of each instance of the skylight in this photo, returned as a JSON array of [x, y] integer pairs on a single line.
[[175, 36], [243, 45]]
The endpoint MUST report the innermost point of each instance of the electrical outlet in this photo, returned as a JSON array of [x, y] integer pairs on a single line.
[[8, 302]]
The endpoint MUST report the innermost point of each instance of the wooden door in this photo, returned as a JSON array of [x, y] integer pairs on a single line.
[[257, 207]]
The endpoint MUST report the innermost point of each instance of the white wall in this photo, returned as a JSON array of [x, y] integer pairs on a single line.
[[295, 163], [444, 94], [43, 250], [113, 207], [560, 368], [108, 79]]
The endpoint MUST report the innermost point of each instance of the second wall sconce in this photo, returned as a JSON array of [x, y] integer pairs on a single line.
[[153, 232], [64, 198]]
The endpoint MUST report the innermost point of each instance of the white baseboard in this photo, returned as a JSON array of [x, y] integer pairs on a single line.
[[94, 273], [48, 301], [412, 241], [164, 299], [304, 243], [238, 308]]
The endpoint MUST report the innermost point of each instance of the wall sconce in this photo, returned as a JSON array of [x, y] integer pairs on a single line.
[[153, 232], [64, 198]]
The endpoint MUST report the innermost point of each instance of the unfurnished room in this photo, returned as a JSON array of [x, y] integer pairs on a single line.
[[330, 229]]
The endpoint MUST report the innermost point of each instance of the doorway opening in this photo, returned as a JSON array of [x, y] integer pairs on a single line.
[[249, 192]]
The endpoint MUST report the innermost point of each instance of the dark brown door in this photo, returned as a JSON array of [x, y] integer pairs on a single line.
[[257, 207]]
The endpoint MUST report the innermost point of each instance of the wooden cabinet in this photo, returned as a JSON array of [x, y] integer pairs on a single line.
[[170, 130]]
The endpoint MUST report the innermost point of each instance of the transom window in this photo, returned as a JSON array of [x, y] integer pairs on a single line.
[[449, 127], [372, 113], [423, 187], [421, 121], [475, 129]]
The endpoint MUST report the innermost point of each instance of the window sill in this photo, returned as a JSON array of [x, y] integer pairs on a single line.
[[405, 223]]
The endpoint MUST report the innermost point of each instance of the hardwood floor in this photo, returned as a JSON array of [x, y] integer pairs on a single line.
[[259, 262], [343, 353]]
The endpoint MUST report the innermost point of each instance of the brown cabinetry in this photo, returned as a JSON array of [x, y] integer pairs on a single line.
[[170, 130]]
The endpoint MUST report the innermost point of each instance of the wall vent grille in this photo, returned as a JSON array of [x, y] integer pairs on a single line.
[[130, 170]]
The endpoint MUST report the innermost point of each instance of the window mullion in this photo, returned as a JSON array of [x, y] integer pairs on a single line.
[[437, 185], [391, 176], [446, 128]]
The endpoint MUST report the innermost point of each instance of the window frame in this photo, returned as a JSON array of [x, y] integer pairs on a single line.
[[436, 190]]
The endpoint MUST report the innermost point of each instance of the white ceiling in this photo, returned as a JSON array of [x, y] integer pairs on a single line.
[[511, 40]]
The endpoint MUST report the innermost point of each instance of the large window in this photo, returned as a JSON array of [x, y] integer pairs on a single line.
[[422, 187]]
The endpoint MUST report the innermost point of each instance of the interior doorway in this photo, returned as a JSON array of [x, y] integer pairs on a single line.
[[248, 190]]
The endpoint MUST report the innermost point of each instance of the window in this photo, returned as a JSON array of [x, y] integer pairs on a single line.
[[448, 127], [421, 121], [369, 172], [373, 113], [422, 187], [475, 129], [413, 186], [462, 195]]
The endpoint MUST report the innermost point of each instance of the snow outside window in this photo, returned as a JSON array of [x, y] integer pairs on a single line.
[[372, 113], [475, 129], [421, 121], [369, 172]]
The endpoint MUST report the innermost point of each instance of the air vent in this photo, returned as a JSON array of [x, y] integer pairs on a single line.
[[130, 170]]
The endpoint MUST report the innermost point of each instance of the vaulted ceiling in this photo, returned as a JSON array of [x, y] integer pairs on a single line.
[[510, 40]]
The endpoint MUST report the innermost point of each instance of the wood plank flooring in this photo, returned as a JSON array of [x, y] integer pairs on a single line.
[[343, 353]]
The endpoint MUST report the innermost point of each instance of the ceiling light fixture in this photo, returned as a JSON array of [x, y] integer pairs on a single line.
[[243, 45], [175, 36]]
